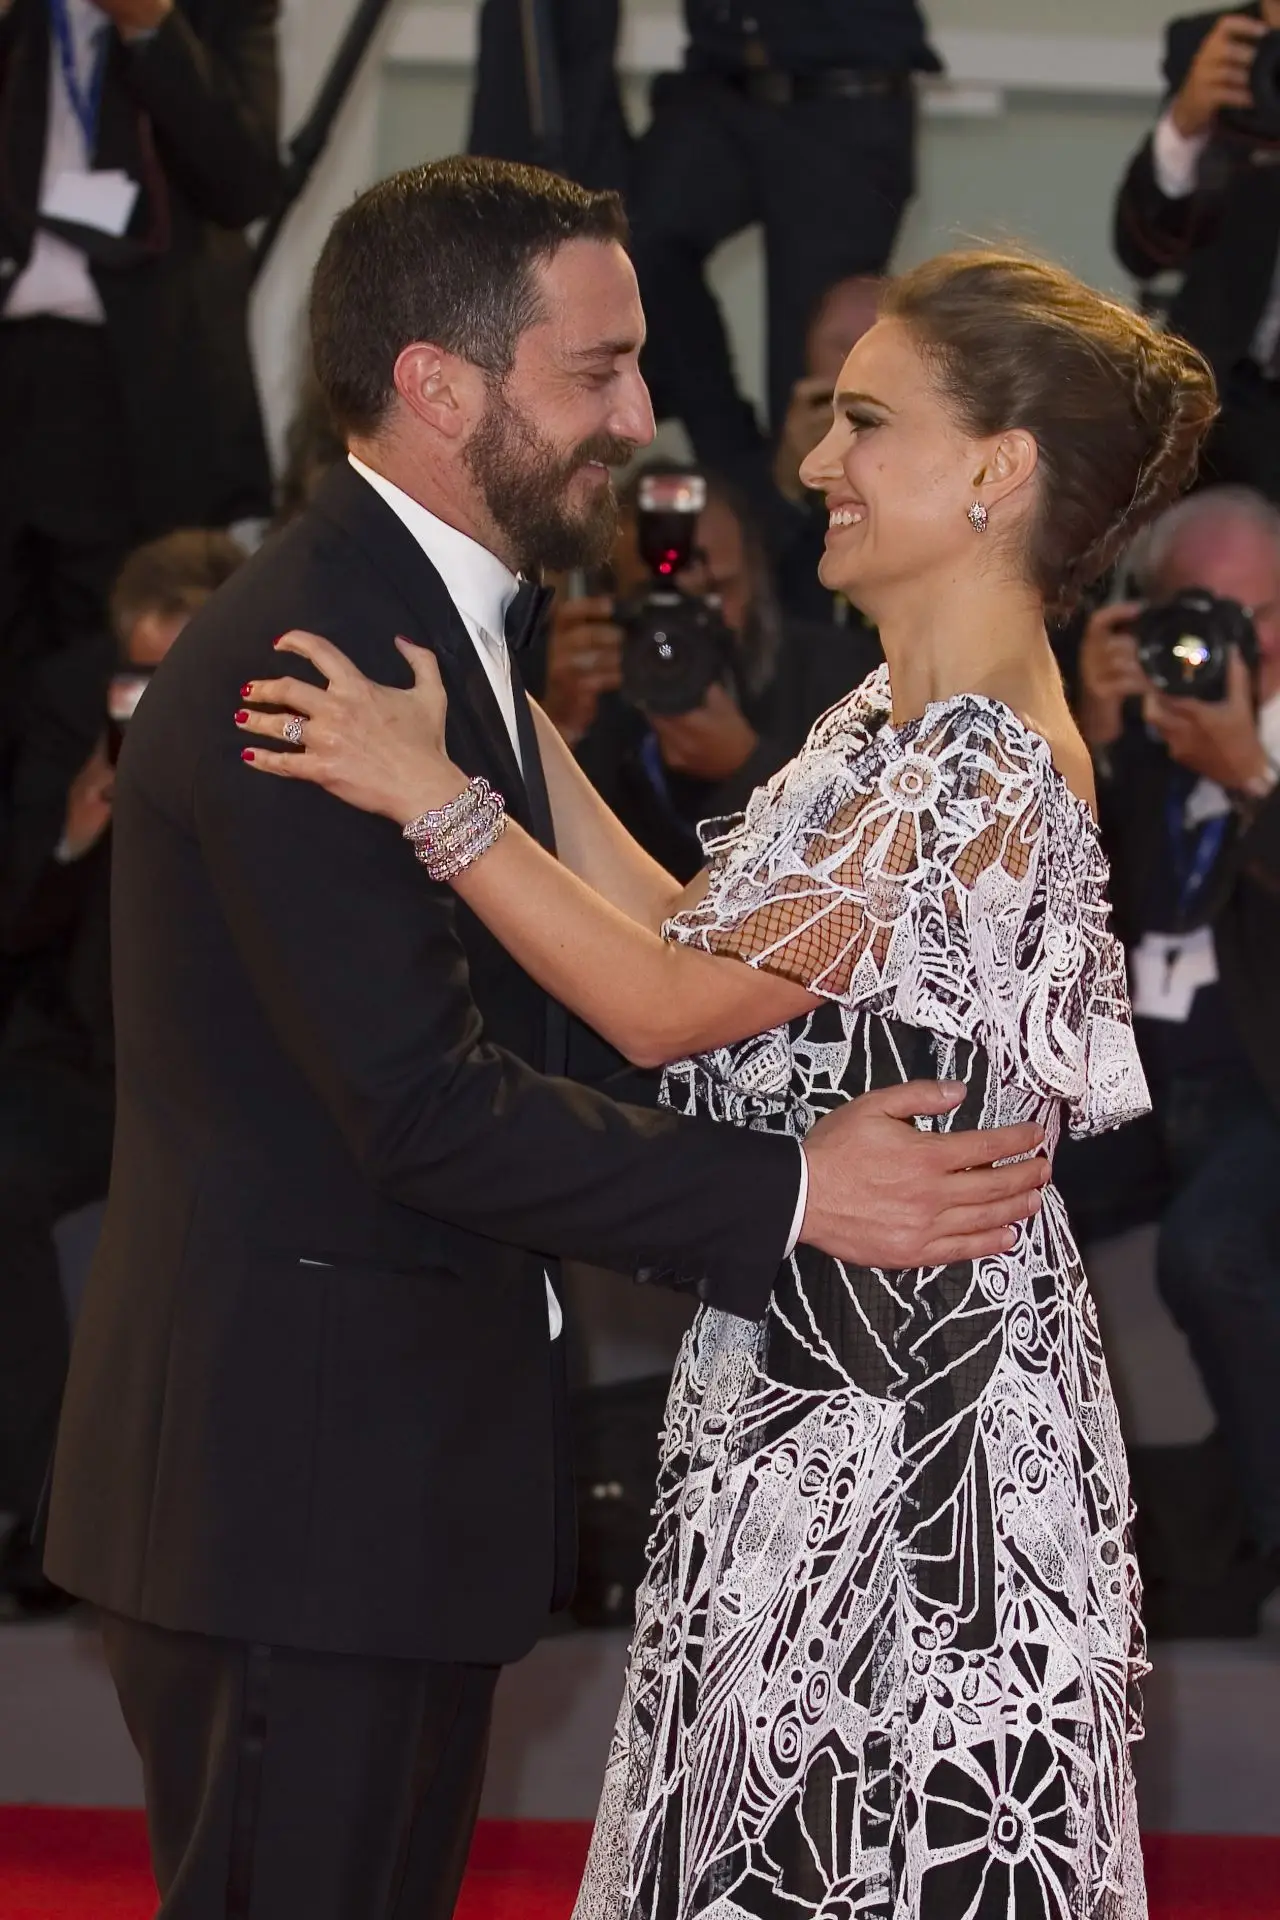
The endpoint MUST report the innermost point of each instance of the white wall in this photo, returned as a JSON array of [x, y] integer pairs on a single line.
[[1056, 94]]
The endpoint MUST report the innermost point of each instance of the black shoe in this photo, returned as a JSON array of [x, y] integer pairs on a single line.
[[25, 1593]]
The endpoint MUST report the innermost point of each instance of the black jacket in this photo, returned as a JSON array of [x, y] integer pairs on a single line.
[[1244, 899], [192, 115], [1224, 238], [321, 1058]]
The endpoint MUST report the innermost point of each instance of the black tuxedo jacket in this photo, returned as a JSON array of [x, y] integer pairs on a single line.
[[1224, 238], [312, 1396], [192, 116]]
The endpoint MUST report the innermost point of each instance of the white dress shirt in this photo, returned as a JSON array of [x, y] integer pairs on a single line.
[[482, 589], [1175, 161], [56, 279]]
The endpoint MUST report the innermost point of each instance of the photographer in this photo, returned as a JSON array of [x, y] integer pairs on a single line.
[[1191, 817], [138, 138], [56, 1051], [801, 118], [664, 772], [1202, 197]]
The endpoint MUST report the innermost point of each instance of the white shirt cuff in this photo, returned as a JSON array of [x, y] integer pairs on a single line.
[[1175, 159], [801, 1203]]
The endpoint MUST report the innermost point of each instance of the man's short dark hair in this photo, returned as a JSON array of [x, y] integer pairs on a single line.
[[443, 253]]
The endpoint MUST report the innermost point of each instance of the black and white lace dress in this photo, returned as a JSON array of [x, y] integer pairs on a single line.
[[887, 1646]]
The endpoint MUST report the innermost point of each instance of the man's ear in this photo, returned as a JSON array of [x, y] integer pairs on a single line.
[[440, 389]]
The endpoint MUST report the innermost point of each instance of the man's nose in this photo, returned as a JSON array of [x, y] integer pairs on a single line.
[[632, 418]]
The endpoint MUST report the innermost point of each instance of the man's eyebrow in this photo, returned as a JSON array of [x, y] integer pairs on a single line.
[[861, 400], [606, 350]]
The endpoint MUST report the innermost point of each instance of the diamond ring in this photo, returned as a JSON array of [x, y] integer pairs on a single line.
[[293, 729]]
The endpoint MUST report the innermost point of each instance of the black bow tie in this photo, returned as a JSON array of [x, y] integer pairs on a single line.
[[526, 613]]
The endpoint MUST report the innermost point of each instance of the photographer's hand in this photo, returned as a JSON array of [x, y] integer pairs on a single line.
[[1219, 75], [711, 742], [1215, 738], [1109, 672], [88, 806], [584, 660]]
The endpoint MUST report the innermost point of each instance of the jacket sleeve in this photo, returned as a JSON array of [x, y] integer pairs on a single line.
[[1153, 233], [1258, 849], [355, 957], [215, 103]]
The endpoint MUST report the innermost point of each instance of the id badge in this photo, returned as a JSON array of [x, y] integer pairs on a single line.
[[103, 199], [1168, 970]]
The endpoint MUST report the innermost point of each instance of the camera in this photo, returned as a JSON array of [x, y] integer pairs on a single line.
[[124, 691], [1261, 121], [675, 644], [1184, 644]]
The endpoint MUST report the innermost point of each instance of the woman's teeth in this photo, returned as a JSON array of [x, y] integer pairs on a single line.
[[845, 516]]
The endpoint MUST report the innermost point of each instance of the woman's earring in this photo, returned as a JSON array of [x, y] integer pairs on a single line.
[[978, 517]]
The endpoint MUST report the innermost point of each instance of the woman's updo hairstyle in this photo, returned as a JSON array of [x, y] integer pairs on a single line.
[[1117, 409]]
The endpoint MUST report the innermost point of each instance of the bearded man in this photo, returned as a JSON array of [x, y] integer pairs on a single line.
[[312, 1466]]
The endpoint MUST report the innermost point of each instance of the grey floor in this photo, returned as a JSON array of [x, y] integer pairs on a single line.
[[1210, 1762]]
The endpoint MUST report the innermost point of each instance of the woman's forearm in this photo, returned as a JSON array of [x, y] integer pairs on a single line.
[[652, 1000], [593, 843]]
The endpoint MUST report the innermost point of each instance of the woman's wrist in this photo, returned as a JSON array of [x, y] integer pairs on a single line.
[[441, 786]]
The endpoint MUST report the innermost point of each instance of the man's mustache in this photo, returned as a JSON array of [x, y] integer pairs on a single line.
[[608, 449]]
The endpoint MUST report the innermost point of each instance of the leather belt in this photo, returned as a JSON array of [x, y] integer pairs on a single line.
[[774, 88]]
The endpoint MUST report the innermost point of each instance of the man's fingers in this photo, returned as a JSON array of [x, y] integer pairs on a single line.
[[970, 1246], [917, 1098], [996, 1186], [980, 1146]]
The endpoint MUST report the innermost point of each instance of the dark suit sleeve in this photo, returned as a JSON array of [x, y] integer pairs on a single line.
[[215, 103], [1258, 852], [1152, 233], [355, 958]]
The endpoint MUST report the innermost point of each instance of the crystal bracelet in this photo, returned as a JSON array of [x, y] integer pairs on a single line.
[[449, 839]]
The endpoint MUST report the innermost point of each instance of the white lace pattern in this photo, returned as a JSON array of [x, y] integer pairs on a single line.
[[887, 1646]]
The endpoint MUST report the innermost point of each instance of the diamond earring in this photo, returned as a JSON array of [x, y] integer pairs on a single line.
[[978, 517]]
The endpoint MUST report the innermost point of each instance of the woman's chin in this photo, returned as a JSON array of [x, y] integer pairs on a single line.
[[836, 573]]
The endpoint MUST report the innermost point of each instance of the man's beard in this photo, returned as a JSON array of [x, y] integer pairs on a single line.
[[523, 479]]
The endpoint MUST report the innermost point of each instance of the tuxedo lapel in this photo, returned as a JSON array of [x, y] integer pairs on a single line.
[[476, 733]]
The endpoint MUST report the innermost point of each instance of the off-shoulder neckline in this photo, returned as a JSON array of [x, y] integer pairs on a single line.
[[879, 685]]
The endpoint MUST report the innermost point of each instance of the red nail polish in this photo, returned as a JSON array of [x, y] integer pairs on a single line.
[[246, 690], [241, 717], [246, 753]]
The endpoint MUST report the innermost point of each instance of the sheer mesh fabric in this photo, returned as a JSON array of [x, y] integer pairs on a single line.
[[931, 871]]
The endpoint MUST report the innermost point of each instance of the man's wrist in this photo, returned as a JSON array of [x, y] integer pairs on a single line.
[[1175, 153]]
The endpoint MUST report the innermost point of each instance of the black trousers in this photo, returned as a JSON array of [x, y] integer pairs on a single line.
[[55, 1155], [285, 1785], [1243, 448], [828, 180]]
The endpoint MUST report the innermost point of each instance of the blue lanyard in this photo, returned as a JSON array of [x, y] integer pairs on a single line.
[[86, 100], [1192, 865]]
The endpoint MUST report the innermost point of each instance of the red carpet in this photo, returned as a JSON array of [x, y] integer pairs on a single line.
[[67, 1864]]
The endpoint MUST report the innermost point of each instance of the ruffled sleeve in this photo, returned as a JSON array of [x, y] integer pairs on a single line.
[[942, 874]]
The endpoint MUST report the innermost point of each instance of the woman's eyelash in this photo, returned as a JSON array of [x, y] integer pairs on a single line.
[[860, 420]]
